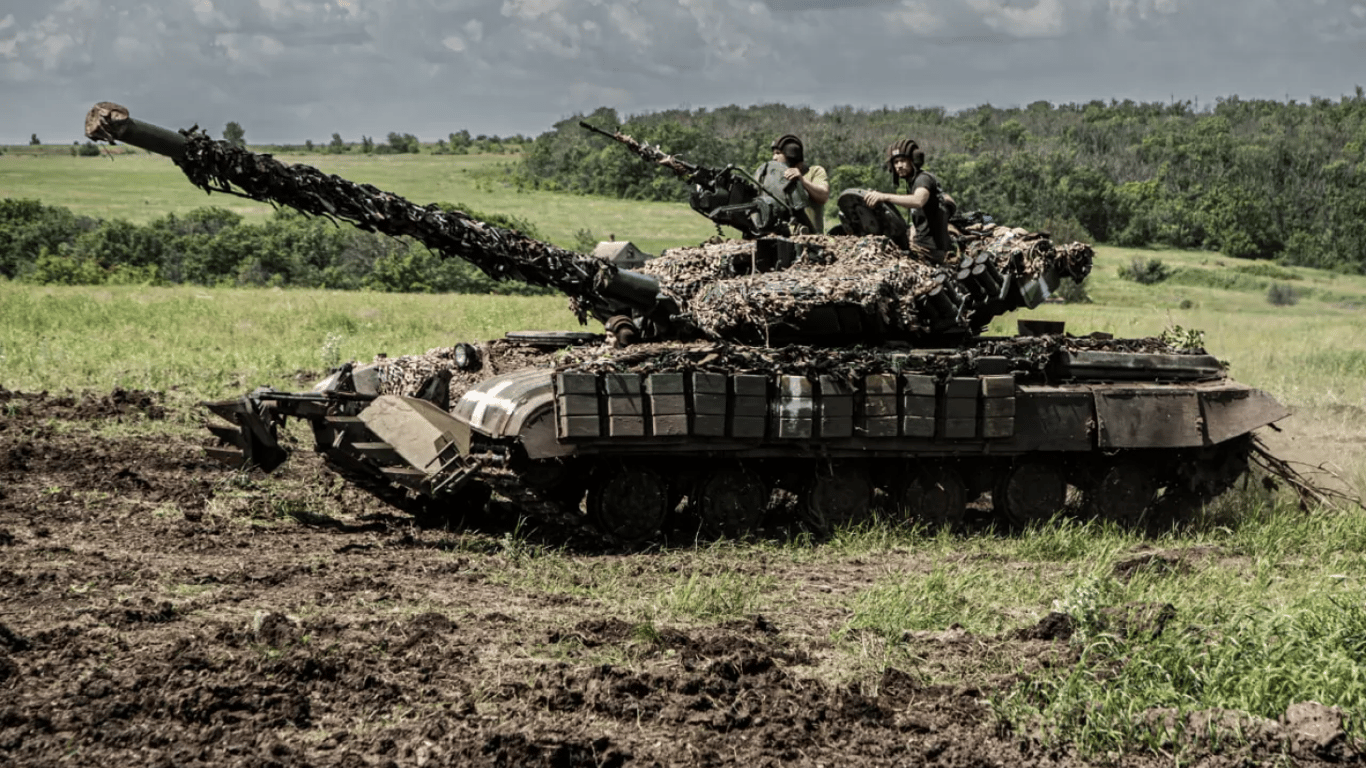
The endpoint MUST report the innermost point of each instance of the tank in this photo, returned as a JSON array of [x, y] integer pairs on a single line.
[[779, 379]]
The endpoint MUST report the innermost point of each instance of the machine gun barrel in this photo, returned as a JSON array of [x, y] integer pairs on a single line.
[[726, 195], [594, 285], [649, 154]]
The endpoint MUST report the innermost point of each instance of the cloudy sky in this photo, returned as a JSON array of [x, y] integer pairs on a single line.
[[290, 70]]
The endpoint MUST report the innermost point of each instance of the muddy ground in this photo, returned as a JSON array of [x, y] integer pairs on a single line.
[[156, 610]]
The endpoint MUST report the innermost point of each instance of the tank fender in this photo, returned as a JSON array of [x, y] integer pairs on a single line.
[[1180, 416], [1236, 410], [518, 405]]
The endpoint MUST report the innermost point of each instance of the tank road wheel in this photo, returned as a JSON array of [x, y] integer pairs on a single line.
[[839, 497], [1123, 494], [932, 496], [731, 502], [1031, 489], [628, 502], [1198, 480], [558, 483]]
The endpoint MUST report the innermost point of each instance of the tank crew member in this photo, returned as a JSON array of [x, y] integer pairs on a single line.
[[906, 161], [788, 149]]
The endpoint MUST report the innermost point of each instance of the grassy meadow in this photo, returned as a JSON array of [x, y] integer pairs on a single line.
[[1275, 597], [140, 187]]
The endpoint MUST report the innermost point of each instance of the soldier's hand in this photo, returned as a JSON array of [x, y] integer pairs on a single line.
[[792, 173], [872, 198]]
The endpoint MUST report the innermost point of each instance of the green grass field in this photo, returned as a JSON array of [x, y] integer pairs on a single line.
[[1277, 593], [140, 187]]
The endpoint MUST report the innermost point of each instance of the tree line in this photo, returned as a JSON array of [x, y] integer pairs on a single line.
[[215, 247], [1250, 178], [457, 143]]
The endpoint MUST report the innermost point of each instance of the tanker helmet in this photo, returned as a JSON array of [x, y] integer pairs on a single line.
[[791, 147], [905, 148]]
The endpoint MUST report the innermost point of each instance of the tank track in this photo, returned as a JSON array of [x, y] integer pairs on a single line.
[[532, 503]]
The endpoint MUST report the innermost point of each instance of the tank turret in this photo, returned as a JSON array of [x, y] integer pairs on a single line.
[[767, 289]]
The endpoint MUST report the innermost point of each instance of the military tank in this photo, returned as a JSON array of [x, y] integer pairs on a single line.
[[781, 378]]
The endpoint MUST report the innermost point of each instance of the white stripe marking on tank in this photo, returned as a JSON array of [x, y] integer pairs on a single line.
[[482, 400]]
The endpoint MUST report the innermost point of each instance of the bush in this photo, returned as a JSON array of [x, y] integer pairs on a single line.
[[60, 269], [1281, 295], [1073, 292], [27, 227], [1065, 229], [585, 241], [1145, 271]]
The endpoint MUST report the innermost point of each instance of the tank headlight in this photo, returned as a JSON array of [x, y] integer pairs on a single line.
[[466, 357]]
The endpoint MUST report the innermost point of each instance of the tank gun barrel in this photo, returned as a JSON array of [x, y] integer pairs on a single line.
[[594, 285]]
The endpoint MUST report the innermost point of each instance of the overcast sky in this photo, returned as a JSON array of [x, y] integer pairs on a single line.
[[290, 70]]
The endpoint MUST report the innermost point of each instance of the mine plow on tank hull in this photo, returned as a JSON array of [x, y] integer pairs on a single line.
[[712, 447]]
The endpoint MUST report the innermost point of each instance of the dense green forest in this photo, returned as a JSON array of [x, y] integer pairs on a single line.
[[1252, 179]]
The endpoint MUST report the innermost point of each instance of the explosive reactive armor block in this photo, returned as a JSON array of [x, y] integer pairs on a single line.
[[783, 407]]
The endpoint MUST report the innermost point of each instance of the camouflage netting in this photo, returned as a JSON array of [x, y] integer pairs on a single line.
[[503, 254], [1027, 356], [868, 274], [407, 374], [852, 285]]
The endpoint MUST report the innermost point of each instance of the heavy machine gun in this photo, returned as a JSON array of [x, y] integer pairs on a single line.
[[768, 205]]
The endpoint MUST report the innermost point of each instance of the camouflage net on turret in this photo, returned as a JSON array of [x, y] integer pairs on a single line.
[[864, 285]]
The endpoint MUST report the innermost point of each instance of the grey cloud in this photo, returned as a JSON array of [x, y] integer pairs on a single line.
[[827, 5], [295, 69]]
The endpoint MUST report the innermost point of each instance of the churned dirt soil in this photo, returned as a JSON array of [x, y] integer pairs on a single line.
[[158, 610]]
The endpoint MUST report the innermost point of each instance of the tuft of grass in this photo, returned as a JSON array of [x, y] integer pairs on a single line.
[[1267, 269], [945, 597], [1064, 539], [715, 596], [1074, 292]]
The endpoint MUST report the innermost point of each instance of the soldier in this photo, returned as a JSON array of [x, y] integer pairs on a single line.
[[788, 149], [906, 161]]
